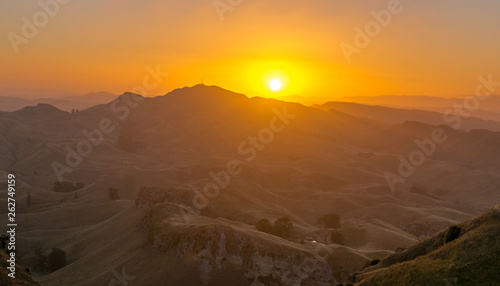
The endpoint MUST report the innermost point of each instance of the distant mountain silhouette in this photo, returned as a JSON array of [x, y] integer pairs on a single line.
[[399, 115], [488, 109], [64, 103]]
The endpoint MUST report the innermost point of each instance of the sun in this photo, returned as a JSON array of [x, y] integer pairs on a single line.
[[275, 85]]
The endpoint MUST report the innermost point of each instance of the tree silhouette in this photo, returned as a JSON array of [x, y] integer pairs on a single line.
[[452, 233], [56, 259], [28, 198], [264, 225], [41, 264], [337, 237], [283, 227]]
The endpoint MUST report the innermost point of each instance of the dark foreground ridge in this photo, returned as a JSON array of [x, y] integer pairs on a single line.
[[465, 254], [22, 274]]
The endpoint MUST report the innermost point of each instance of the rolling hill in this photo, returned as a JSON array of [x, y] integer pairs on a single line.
[[216, 163], [400, 115]]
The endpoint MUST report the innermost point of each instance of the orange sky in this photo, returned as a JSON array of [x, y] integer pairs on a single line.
[[427, 48]]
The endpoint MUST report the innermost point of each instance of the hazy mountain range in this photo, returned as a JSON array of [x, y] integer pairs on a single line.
[[11, 103], [488, 109], [196, 170]]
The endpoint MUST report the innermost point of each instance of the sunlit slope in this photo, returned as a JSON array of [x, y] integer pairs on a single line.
[[470, 259]]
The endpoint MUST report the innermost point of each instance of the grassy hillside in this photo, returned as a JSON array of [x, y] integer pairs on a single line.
[[469, 259], [178, 143], [22, 275]]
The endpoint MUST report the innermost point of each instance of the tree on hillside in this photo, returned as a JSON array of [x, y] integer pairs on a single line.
[[371, 263], [283, 227], [28, 198], [264, 225], [56, 259], [337, 238], [41, 263], [452, 233]]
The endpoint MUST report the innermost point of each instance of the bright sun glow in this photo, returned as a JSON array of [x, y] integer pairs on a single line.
[[275, 85]]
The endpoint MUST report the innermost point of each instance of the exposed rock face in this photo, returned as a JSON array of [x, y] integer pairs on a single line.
[[214, 245]]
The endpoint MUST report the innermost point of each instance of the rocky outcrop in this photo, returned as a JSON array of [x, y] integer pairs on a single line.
[[216, 245]]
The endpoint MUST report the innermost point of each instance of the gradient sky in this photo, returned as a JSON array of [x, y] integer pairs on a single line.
[[436, 48]]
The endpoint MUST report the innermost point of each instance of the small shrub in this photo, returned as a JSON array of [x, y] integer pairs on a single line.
[[28, 199], [452, 233], [4, 238], [283, 227], [400, 249], [41, 263], [264, 225], [56, 259], [371, 263]]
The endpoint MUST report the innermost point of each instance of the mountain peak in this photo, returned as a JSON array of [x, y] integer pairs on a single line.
[[204, 92], [127, 95], [40, 107], [41, 110]]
